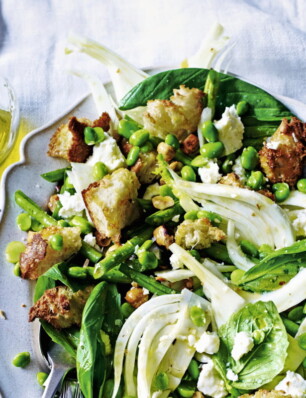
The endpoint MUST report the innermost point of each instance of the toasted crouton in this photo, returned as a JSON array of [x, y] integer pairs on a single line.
[[198, 234], [282, 157], [266, 394], [39, 255], [111, 203], [180, 115], [60, 306]]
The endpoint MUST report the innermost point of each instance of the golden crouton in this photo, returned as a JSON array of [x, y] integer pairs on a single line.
[[266, 394], [39, 255], [145, 167], [282, 157], [198, 234], [180, 115], [111, 202], [60, 306]]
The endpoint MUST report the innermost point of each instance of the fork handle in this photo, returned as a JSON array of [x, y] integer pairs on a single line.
[[53, 381]]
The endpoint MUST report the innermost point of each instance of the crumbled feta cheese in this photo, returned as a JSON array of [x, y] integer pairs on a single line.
[[299, 222], [191, 340], [210, 382], [293, 385], [107, 152], [152, 190], [208, 343], [230, 130], [175, 261], [145, 291], [230, 375], [176, 218], [209, 174], [73, 205], [92, 241], [273, 144], [239, 170], [243, 343]]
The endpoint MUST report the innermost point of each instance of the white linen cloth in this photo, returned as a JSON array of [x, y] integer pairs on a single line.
[[270, 49]]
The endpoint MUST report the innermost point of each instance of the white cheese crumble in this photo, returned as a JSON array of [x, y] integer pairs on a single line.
[[175, 261], [92, 241], [210, 382], [293, 384], [239, 170], [209, 174], [299, 223], [73, 205], [230, 375], [145, 291], [230, 130], [208, 343], [176, 218], [243, 343], [273, 144]]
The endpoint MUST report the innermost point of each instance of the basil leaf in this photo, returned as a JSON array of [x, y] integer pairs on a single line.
[[113, 320], [266, 359], [276, 269], [90, 351]]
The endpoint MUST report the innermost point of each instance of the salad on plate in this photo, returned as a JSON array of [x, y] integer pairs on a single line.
[[171, 259]]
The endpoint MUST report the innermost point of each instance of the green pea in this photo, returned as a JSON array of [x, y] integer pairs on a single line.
[[212, 150], [291, 327], [265, 250], [182, 157], [63, 223], [41, 377], [133, 156], [227, 165], [127, 127], [93, 135], [209, 131], [296, 313], [99, 134], [23, 221], [147, 147], [195, 254], [99, 171], [56, 242], [212, 217], [191, 215], [197, 316], [13, 251], [77, 272], [256, 180], [188, 174], [248, 248], [281, 191], [36, 225], [302, 341], [161, 381], [185, 390], [165, 190], [16, 269], [199, 292], [249, 158], [172, 140], [139, 137], [236, 276], [242, 108], [84, 225], [199, 161], [21, 360], [126, 310], [193, 369], [301, 185], [148, 260]]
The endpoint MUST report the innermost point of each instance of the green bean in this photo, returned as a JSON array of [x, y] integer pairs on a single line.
[[188, 174], [41, 377], [89, 252], [172, 140], [147, 147], [23, 221], [302, 341], [242, 108], [127, 127], [199, 161], [195, 254], [83, 224], [296, 313], [57, 208], [291, 327], [248, 248], [13, 251], [56, 242], [214, 218], [126, 310], [146, 281], [209, 131], [256, 180], [133, 156], [193, 369], [146, 204], [139, 137], [36, 225], [161, 381], [67, 186], [148, 260], [281, 191], [63, 223], [191, 215], [34, 210], [77, 272], [16, 269], [264, 250], [227, 165], [212, 150], [197, 316], [21, 360], [217, 251], [146, 245], [121, 254], [249, 158], [181, 157], [99, 171], [211, 88], [162, 216], [113, 276], [301, 185], [55, 175]]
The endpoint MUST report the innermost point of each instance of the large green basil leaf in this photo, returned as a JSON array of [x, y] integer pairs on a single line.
[[113, 319], [276, 269], [266, 359], [262, 119], [90, 356]]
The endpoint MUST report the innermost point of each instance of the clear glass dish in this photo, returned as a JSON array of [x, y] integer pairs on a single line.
[[9, 118]]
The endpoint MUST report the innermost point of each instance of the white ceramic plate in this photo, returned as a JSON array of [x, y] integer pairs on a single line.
[[16, 334]]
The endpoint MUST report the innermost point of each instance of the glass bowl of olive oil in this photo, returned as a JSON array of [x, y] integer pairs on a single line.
[[9, 118]]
